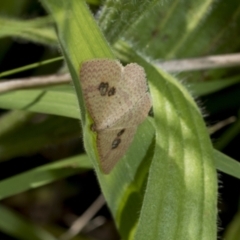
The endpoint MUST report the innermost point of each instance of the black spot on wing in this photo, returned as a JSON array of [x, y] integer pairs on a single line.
[[116, 142], [121, 132], [103, 88], [112, 91]]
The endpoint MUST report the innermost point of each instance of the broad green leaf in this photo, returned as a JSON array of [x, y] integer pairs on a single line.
[[181, 186], [62, 103], [117, 17], [176, 29], [71, 33], [167, 184], [119, 186], [43, 175], [182, 166], [36, 30]]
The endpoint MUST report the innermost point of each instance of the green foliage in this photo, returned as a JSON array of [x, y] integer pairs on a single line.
[[165, 187], [43, 175], [36, 30]]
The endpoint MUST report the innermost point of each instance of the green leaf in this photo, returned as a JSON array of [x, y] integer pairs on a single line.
[[117, 185], [62, 103], [71, 33], [36, 30], [30, 66], [207, 87], [118, 17], [84, 30], [182, 166], [226, 164], [43, 175], [178, 197], [176, 29]]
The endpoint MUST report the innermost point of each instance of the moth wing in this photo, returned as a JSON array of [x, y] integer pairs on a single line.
[[137, 114], [110, 90], [134, 79], [112, 148], [99, 79], [113, 143], [117, 100]]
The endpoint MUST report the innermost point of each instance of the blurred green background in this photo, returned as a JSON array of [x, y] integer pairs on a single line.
[[33, 139]]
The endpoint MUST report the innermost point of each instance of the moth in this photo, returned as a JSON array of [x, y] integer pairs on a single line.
[[117, 100]]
